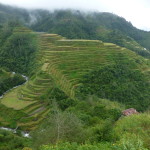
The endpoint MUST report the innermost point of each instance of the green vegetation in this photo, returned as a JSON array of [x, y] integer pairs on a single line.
[[99, 146], [76, 92], [134, 129], [102, 26], [9, 13], [119, 38], [75, 24], [18, 46], [129, 133], [10, 141], [8, 81], [120, 83], [61, 126], [67, 62], [9, 117], [89, 120], [11, 100], [75, 146]]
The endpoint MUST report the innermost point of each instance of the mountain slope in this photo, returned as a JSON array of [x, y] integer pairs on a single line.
[[80, 25], [95, 25], [62, 66], [17, 48], [8, 13]]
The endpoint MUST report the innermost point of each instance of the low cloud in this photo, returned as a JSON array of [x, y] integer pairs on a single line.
[[136, 11]]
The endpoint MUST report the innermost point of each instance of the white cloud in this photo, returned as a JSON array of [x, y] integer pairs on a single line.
[[136, 11]]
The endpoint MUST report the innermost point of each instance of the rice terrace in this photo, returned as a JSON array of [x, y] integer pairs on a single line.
[[73, 81]]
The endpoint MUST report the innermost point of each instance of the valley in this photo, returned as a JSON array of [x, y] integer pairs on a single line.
[[72, 80], [62, 63]]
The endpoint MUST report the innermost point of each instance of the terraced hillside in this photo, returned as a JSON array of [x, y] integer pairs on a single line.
[[62, 64]]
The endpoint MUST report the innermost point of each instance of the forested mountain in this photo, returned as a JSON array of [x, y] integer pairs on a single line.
[[84, 70], [8, 13], [102, 26], [73, 24], [17, 47]]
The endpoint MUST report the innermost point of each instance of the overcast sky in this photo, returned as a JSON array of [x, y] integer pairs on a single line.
[[136, 11]]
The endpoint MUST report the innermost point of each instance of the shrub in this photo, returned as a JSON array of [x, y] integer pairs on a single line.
[[10, 141], [138, 125], [27, 148], [75, 146], [60, 126], [129, 142]]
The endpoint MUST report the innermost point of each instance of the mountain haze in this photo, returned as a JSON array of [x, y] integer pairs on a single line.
[[77, 73], [76, 24]]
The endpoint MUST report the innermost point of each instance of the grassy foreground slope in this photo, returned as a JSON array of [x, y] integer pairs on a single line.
[[130, 132], [62, 64]]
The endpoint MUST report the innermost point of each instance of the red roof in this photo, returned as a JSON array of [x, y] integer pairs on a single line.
[[129, 112]]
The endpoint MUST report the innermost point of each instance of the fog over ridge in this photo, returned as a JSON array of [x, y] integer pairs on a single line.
[[135, 11]]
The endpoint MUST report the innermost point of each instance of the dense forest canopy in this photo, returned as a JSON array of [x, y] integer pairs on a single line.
[[17, 48], [9, 80], [118, 82]]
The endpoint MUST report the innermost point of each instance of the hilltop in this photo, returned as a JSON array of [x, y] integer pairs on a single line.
[[75, 24], [95, 25]]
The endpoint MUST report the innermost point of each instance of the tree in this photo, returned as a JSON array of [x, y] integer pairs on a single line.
[[60, 126]]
